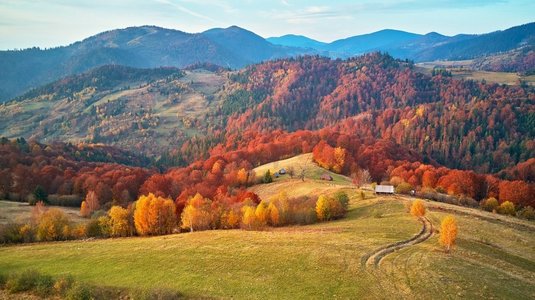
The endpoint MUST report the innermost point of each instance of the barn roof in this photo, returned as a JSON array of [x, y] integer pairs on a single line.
[[384, 189]]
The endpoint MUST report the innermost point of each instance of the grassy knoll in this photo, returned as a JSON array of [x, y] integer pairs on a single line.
[[299, 163], [316, 261]]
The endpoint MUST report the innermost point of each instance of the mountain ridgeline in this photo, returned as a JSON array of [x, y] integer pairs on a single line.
[[233, 47]]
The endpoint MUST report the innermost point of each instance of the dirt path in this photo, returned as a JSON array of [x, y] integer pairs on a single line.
[[374, 258]]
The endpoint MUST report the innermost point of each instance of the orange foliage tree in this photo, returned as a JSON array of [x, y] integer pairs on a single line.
[[196, 214], [418, 208], [448, 232], [89, 205], [154, 215]]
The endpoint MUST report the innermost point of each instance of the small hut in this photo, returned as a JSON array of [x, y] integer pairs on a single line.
[[326, 177], [384, 189]]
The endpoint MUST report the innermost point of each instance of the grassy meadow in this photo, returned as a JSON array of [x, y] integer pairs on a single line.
[[492, 259], [21, 212]]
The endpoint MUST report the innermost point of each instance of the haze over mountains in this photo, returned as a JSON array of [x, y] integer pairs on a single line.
[[233, 47]]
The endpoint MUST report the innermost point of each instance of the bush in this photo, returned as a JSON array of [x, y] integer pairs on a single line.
[[44, 285], [404, 188], [467, 201], [23, 282], [79, 291], [10, 233], [63, 285], [527, 213], [53, 226], [507, 208], [343, 198], [489, 204], [267, 177]]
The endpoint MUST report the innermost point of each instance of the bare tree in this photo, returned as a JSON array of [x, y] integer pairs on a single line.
[[362, 177]]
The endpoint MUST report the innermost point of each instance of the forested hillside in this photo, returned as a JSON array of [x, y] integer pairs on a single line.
[[460, 124]]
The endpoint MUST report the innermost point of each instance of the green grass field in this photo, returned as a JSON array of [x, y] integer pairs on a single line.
[[492, 259]]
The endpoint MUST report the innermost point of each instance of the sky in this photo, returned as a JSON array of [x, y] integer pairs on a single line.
[[50, 23]]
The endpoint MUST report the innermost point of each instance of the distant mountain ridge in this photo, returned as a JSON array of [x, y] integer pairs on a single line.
[[233, 47]]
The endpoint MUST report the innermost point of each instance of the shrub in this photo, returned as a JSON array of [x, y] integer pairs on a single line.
[[63, 284], [468, 201], [527, 213], [490, 204], [22, 282], [362, 195], [267, 177], [343, 198], [44, 285], [92, 228], [404, 188], [507, 208], [10, 233], [79, 291]]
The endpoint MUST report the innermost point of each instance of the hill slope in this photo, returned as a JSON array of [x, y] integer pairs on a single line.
[[374, 96], [315, 261], [119, 106]]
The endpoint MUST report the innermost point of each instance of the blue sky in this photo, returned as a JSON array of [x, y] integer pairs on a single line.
[[26, 23]]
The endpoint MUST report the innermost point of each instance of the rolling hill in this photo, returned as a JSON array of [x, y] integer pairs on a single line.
[[306, 262], [119, 106]]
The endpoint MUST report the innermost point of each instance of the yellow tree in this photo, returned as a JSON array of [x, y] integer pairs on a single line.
[[323, 208], [196, 214], [418, 208], [119, 222], [230, 219], [274, 217], [249, 217], [262, 214], [448, 232]]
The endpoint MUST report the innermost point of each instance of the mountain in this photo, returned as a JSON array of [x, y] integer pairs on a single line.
[[376, 41], [292, 40], [233, 47], [468, 47], [140, 47]]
